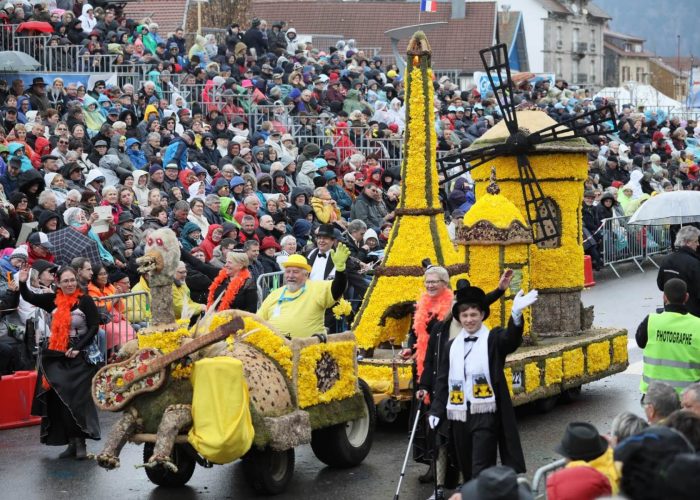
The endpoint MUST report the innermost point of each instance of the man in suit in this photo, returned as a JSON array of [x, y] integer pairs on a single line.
[[471, 392], [322, 267]]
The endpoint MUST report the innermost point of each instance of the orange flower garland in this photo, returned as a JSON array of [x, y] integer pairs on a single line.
[[61, 321], [428, 308], [231, 290]]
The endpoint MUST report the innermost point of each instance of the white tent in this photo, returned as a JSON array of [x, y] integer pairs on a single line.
[[640, 95]]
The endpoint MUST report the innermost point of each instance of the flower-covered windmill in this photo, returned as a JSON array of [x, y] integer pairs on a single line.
[[522, 142]]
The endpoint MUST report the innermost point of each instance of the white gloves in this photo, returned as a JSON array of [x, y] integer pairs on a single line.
[[520, 302], [433, 421]]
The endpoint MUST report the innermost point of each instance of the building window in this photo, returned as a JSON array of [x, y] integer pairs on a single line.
[[627, 47], [592, 36], [574, 36], [574, 71], [625, 73], [558, 68], [549, 227], [593, 72], [640, 75]]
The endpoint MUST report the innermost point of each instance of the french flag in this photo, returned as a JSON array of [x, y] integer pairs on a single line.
[[428, 5]]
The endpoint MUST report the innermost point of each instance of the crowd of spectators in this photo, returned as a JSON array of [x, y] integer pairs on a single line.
[[255, 141]]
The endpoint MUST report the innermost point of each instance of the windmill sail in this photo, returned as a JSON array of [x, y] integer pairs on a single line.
[[502, 87]]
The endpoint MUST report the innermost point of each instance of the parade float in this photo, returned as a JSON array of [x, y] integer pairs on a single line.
[[229, 388], [529, 173]]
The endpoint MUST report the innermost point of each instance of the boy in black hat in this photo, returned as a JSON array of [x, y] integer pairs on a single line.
[[471, 389]]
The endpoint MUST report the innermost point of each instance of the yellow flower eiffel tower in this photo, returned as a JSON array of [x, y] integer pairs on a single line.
[[419, 231]]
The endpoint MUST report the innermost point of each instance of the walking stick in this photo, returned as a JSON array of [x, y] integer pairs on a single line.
[[408, 451]]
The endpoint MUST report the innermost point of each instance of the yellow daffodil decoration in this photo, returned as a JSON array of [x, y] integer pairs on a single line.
[[418, 231]]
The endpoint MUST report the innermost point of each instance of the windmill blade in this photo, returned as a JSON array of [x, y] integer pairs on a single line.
[[502, 89], [589, 124], [540, 212], [452, 166]]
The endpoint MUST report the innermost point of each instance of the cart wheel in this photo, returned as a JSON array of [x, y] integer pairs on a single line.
[[268, 471], [347, 444], [388, 410], [546, 405], [163, 477], [571, 395]]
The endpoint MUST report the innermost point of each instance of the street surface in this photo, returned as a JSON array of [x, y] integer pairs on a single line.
[[30, 471]]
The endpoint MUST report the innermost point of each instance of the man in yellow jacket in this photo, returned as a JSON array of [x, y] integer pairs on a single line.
[[297, 309]]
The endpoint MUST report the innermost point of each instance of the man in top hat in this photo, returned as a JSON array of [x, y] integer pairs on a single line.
[[37, 95], [297, 309], [471, 391]]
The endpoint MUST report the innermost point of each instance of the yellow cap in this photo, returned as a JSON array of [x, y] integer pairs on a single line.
[[297, 260]]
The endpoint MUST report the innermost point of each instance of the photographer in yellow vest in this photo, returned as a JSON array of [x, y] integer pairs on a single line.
[[671, 341]]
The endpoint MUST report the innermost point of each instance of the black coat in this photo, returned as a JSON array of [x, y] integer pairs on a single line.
[[684, 263], [501, 342]]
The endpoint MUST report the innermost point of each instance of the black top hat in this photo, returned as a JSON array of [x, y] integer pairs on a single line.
[[496, 483], [581, 441], [38, 81], [327, 230], [470, 295]]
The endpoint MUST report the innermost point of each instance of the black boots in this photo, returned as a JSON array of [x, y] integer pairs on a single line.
[[429, 475], [76, 449], [70, 451]]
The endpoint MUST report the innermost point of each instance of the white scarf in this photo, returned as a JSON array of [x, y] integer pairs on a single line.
[[469, 379]]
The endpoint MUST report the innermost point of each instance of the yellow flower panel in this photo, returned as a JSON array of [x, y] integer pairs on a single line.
[[532, 377], [343, 353], [557, 267], [497, 209], [419, 132], [551, 166], [411, 243], [573, 363], [508, 374], [553, 371], [620, 349], [381, 378], [388, 290], [598, 355]]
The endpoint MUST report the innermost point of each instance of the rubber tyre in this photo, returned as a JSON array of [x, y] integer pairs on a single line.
[[267, 471], [347, 444], [571, 395], [546, 405], [162, 476]]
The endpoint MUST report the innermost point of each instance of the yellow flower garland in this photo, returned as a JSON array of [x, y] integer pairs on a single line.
[[342, 308], [598, 355], [620, 349], [167, 342], [532, 377], [381, 378], [553, 371], [573, 363], [508, 374], [307, 383]]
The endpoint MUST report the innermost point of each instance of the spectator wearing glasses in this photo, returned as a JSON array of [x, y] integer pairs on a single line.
[[369, 207]]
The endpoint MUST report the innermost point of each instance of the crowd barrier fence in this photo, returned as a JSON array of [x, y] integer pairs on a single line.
[[623, 242]]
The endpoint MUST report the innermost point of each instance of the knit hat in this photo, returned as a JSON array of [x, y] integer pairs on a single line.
[[154, 168], [19, 253], [269, 242]]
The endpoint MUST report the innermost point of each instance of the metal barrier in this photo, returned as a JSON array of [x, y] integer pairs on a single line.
[[539, 481], [123, 314], [267, 283], [624, 242]]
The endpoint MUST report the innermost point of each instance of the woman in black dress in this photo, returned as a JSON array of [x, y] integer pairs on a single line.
[[63, 391]]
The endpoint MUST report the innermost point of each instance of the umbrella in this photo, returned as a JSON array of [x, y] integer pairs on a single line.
[[69, 243], [674, 207], [40, 26], [14, 60]]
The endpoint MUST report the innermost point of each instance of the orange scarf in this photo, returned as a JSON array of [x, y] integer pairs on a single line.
[[61, 320], [231, 290], [427, 308]]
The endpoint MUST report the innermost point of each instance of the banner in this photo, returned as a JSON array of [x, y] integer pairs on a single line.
[[482, 83]]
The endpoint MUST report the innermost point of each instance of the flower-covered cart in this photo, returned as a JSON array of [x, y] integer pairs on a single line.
[[561, 350]]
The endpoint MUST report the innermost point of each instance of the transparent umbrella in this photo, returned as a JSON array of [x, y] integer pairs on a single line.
[[14, 60], [674, 207]]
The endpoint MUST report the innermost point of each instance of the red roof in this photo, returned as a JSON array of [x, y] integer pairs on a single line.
[[455, 46], [167, 14]]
